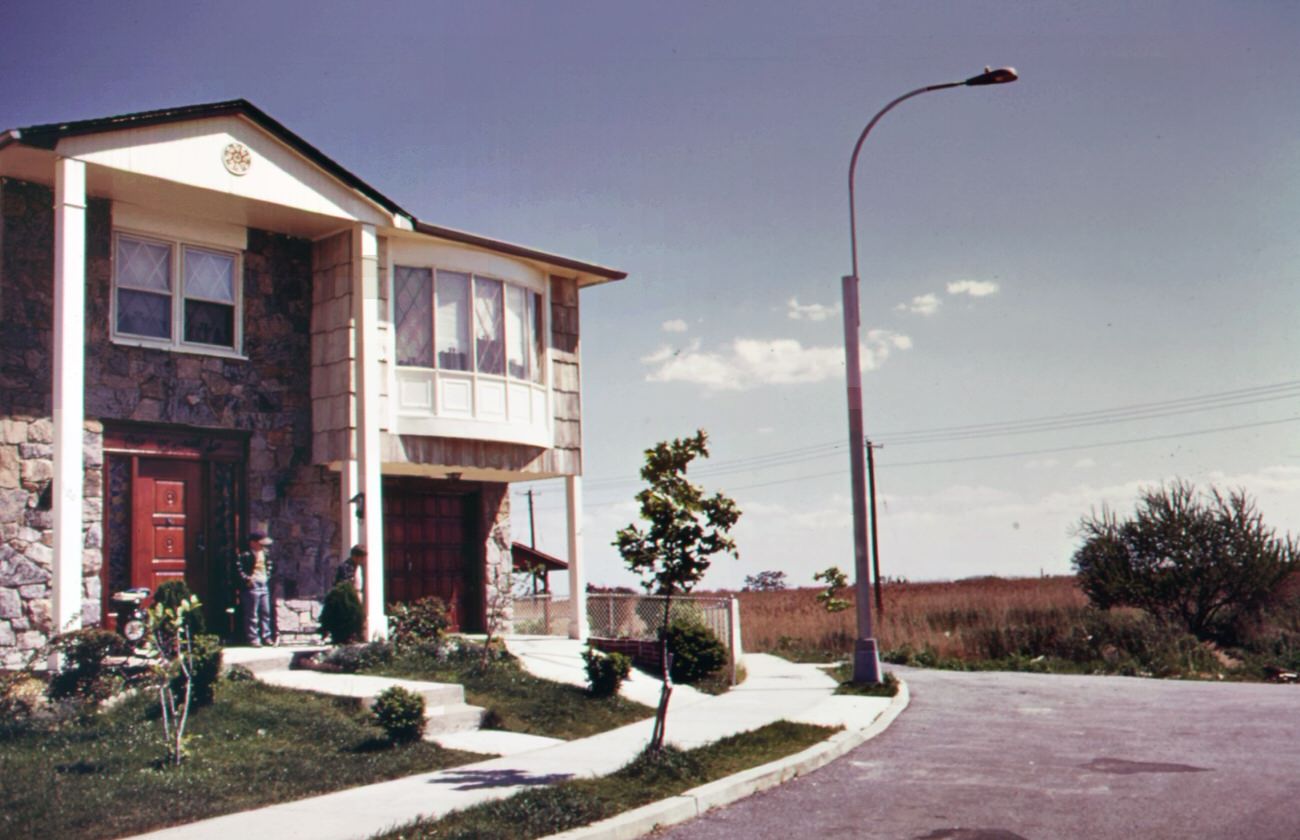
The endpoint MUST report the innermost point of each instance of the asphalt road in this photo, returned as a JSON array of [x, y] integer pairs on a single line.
[[1000, 756]]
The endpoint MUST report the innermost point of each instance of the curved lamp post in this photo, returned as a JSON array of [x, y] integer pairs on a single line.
[[866, 656]]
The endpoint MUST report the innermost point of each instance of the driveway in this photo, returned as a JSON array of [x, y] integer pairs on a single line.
[[1000, 756]]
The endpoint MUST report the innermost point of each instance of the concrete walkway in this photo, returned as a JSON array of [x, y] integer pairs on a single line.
[[774, 690]]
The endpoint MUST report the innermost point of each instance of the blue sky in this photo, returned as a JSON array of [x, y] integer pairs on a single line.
[[1120, 228]]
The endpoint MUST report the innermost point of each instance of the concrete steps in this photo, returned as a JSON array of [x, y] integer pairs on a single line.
[[445, 708]]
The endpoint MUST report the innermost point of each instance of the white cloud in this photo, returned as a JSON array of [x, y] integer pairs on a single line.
[[1085, 464], [750, 363], [797, 311], [926, 304], [974, 288], [676, 325]]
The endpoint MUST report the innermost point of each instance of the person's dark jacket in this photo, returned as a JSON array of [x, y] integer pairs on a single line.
[[244, 562]]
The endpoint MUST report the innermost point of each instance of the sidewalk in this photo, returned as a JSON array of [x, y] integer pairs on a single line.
[[774, 690]]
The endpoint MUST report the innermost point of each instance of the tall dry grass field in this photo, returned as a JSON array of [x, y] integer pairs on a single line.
[[961, 619]]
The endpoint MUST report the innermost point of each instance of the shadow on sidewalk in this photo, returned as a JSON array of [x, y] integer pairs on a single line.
[[482, 779]]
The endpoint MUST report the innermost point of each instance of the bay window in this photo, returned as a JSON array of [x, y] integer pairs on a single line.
[[499, 334], [470, 354]]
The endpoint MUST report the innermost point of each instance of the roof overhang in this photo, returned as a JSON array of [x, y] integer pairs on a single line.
[[28, 153], [526, 558]]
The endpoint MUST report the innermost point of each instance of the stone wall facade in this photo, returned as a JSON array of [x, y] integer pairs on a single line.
[[264, 397], [494, 507], [27, 432], [287, 402]]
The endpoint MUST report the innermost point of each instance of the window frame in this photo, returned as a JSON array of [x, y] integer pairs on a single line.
[[176, 248], [540, 325]]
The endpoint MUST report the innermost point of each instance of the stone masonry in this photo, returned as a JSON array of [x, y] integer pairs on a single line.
[[264, 397]]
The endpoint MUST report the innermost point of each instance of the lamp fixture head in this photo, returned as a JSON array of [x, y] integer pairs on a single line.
[[1000, 76]]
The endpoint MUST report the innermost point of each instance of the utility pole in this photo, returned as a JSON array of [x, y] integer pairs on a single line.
[[875, 545], [532, 536], [532, 528]]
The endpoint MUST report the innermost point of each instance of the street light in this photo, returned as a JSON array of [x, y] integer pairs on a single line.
[[866, 656]]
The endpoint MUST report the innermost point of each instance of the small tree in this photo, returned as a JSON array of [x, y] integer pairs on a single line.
[[1202, 560], [171, 644], [835, 580], [767, 581], [496, 614], [684, 530]]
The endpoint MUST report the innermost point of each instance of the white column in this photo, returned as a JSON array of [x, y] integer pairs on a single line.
[[365, 319], [69, 388], [577, 574], [350, 526]]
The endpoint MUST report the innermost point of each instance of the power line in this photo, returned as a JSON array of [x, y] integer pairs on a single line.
[[1001, 455], [1008, 428], [1146, 411]]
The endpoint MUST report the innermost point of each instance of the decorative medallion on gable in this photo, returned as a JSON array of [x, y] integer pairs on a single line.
[[237, 158]]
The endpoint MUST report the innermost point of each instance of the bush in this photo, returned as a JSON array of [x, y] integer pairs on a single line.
[[171, 594], [400, 713], [20, 696], [1204, 561], [342, 617], [348, 659], [605, 672], [418, 624], [240, 674], [696, 652], [206, 671], [85, 675]]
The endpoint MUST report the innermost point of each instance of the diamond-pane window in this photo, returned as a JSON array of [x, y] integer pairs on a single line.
[[489, 338], [201, 310], [144, 265], [209, 276], [413, 312]]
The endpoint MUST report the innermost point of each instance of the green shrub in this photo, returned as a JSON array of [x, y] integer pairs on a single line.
[[400, 713], [605, 672], [240, 674], [418, 624], [696, 652], [21, 695], [171, 594], [206, 670], [349, 659], [85, 676], [342, 617]]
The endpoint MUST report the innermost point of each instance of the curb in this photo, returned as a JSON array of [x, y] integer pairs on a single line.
[[695, 802]]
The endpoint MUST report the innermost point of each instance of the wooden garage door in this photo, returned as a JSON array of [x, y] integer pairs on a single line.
[[431, 548]]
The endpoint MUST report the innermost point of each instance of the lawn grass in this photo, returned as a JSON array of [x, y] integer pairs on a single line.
[[560, 807], [516, 700], [254, 746]]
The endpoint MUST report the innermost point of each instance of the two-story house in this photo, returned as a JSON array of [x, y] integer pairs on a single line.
[[208, 327]]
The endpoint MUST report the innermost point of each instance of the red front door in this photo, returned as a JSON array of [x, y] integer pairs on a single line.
[[167, 524], [431, 548]]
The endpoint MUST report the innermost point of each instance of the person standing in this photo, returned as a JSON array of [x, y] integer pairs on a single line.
[[351, 570], [255, 568]]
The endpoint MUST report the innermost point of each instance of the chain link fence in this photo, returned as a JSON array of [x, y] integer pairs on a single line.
[[542, 615], [623, 616], [620, 617]]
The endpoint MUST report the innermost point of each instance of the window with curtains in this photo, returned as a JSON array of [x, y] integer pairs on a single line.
[[454, 321], [174, 294]]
